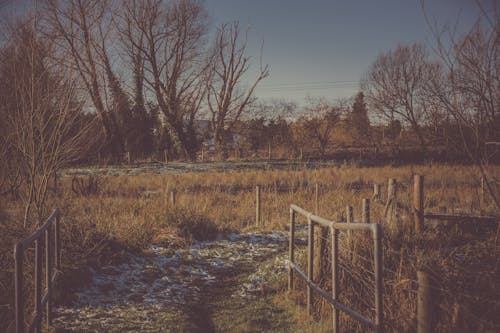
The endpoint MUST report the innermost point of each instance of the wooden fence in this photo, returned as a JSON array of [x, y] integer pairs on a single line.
[[426, 285], [45, 238], [316, 221]]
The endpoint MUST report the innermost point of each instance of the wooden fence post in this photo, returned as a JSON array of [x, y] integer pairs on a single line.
[[310, 260], [483, 185], [257, 206], [173, 197], [365, 217], [424, 303], [349, 219], [128, 157], [391, 189], [418, 203], [376, 192], [55, 182], [316, 199], [301, 155], [202, 153]]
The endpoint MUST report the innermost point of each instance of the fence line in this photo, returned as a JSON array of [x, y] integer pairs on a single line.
[[46, 236], [334, 227]]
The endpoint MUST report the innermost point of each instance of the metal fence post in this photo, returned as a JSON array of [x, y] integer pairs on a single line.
[[291, 252], [310, 261], [18, 286], [57, 241], [335, 277], [38, 284], [378, 256], [48, 275]]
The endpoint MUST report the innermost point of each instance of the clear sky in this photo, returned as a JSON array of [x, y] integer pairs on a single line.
[[323, 47]]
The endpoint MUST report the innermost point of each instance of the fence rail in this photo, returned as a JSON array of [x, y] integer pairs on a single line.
[[47, 236], [334, 227]]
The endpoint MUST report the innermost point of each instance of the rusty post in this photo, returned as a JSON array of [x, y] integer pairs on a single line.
[[418, 203]]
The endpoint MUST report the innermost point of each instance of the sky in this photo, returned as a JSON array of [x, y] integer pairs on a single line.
[[324, 47]]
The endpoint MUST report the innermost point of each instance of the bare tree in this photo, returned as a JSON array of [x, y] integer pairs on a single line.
[[81, 30], [226, 98], [44, 114], [316, 125], [468, 91], [395, 86], [169, 41]]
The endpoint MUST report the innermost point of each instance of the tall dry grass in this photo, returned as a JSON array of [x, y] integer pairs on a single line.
[[127, 213]]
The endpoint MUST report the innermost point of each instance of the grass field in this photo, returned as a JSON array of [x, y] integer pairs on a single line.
[[124, 211]]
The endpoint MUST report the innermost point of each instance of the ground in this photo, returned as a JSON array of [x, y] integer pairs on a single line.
[[225, 285]]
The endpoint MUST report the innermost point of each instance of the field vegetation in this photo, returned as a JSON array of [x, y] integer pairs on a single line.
[[128, 213]]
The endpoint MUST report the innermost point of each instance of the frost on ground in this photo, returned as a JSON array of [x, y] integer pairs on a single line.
[[150, 293], [184, 167]]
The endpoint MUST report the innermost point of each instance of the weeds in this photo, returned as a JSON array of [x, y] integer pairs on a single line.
[[128, 213]]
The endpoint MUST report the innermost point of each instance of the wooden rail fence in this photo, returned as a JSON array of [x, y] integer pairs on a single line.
[[46, 240], [293, 269]]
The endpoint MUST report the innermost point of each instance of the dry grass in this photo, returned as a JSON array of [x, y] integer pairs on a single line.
[[133, 211]]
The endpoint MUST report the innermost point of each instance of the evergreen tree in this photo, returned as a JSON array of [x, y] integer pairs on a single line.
[[359, 122]]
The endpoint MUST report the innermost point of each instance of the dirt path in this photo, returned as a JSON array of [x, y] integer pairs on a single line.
[[218, 286]]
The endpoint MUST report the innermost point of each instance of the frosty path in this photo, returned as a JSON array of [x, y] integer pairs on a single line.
[[187, 290]]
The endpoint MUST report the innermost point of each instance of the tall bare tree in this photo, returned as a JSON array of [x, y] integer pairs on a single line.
[[82, 30], [395, 86], [170, 40], [226, 98]]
